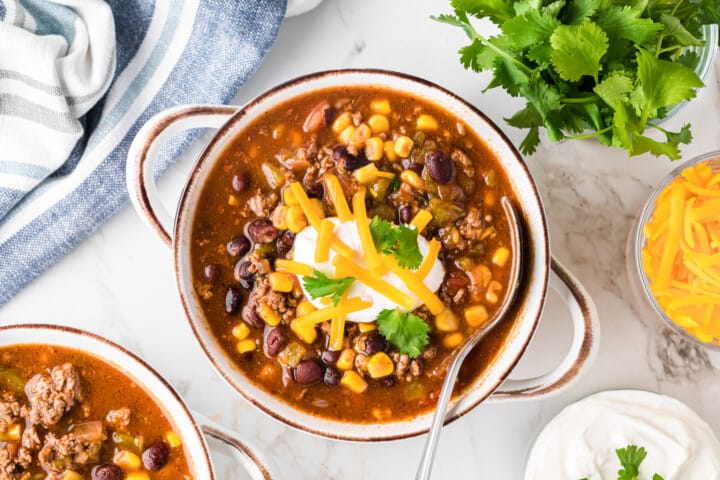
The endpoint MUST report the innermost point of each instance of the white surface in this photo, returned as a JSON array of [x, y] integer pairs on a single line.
[[347, 232], [120, 282], [581, 441]]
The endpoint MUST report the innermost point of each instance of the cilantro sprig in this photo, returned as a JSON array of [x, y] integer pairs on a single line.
[[608, 68], [405, 331], [320, 285], [630, 459], [398, 240]]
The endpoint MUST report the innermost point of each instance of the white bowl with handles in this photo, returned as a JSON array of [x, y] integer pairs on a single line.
[[190, 427], [541, 270]]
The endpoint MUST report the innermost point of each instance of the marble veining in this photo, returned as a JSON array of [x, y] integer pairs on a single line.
[[120, 282]]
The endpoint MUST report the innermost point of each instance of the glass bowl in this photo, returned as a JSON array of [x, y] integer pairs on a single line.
[[639, 283], [706, 54]]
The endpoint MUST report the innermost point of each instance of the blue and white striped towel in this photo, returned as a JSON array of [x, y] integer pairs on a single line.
[[62, 160]]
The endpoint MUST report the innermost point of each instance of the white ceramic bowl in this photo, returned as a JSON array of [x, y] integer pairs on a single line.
[[531, 297], [183, 422]]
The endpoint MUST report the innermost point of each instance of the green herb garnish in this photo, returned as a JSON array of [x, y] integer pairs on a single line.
[[405, 331], [630, 459], [321, 286], [398, 240], [610, 68]]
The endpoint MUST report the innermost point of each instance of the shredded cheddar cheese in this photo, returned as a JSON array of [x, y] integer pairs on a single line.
[[291, 266], [345, 306], [363, 227], [377, 284], [681, 257], [421, 220], [429, 260], [335, 192], [322, 247], [416, 285]]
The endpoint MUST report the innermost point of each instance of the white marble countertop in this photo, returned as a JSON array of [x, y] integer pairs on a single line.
[[119, 283]]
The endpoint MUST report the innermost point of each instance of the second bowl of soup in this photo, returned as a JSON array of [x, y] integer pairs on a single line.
[[341, 236]]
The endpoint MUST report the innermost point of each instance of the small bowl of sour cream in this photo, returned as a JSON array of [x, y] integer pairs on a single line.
[[583, 440]]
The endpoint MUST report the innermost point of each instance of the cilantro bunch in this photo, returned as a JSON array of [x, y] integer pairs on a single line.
[[630, 459], [605, 69]]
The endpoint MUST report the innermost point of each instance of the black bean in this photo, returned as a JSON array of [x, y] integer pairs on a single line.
[[405, 214], [107, 471], [251, 316], [285, 243], [348, 161], [330, 357], [320, 116], [275, 340], [238, 246], [374, 342], [440, 166], [454, 282], [315, 190], [262, 230], [212, 272], [233, 299], [329, 114], [241, 181], [308, 372], [332, 377], [387, 382], [156, 456], [243, 275]]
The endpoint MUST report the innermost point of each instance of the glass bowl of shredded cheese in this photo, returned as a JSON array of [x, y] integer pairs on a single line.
[[674, 250]]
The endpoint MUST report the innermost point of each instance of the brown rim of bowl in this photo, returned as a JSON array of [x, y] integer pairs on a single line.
[[143, 363], [241, 113]]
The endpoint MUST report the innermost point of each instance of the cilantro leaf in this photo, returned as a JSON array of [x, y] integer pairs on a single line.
[[630, 458], [320, 285], [399, 241], [614, 89], [498, 11], [657, 477], [405, 331], [577, 11], [674, 28], [625, 23], [531, 141], [407, 253], [529, 29], [578, 50], [664, 83]]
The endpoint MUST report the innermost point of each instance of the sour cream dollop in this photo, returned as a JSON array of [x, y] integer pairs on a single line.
[[304, 251], [581, 441]]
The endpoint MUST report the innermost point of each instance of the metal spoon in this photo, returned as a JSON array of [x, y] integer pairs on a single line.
[[463, 350]]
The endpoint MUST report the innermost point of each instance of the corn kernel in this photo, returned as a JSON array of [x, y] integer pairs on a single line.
[[491, 295], [361, 135], [346, 134], [233, 201], [374, 149], [380, 365], [269, 316], [341, 122], [389, 148], [476, 315], [403, 146], [304, 308], [281, 282], [426, 123], [379, 123], [244, 346], [295, 219], [289, 197], [14, 432], [346, 359], [127, 460], [172, 439], [367, 327], [381, 106], [489, 198], [367, 174], [452, 340], [352, 380], [241, 331], [501, 256], [304, 330], [413, 179], [137, 476], [279, 217], [447, 321], [279, 131], [70, 475]]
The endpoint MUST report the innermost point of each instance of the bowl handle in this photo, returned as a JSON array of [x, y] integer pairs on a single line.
[[247, 456], [144, 151], [586, 335]]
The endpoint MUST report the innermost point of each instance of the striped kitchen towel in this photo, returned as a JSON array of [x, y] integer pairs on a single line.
[[78, 78]]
